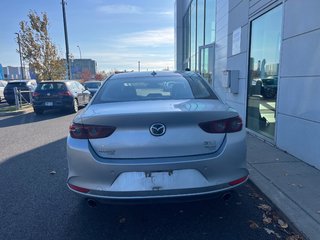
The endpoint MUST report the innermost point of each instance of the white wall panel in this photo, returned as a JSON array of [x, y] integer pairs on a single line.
[[238, 62], [234, 3], [238, 16], [221, 47], [300, 138], [300, 97], [301, 17], [301, 55], [258, 5]]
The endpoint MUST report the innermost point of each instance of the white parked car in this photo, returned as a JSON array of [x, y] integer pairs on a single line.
[[3, 84]]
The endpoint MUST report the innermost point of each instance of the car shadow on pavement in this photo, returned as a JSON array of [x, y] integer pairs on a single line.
[[36, 204], [29, 117]]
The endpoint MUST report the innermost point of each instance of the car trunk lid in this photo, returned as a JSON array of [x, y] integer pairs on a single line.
[[134, 138]]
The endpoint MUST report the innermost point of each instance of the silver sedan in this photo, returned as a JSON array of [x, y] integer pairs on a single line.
[[155, 135]]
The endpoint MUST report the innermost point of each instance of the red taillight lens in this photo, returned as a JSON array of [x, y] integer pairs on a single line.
[[81, 131], [238, 181], [78, 189], [35, 94], [228, 125], [65, 93]]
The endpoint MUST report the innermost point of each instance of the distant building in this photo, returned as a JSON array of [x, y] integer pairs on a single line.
[[1, 73], [79, 66], [12, 73]]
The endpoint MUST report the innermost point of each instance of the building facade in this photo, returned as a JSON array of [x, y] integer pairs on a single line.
[[14, 73], [262, 58], [83, 66]]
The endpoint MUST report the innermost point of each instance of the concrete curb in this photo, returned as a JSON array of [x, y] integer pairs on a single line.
[[294, 212], [16, 112]]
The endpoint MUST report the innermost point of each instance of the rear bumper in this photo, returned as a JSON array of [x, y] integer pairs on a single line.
[[56, 104], [125, 179]]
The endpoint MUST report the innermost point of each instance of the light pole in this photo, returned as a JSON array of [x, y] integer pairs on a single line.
[[79, 51], [138, 66], [18, 37], [66, 38]]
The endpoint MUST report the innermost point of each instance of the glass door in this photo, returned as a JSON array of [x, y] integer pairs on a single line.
[[263, 72]]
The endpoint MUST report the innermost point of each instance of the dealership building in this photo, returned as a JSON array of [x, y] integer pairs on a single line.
[[262, 57]]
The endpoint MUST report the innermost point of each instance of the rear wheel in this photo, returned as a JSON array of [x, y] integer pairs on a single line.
[[75, 106], [38, 111]]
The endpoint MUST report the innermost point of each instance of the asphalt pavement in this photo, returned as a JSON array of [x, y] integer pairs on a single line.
[[35, 202]]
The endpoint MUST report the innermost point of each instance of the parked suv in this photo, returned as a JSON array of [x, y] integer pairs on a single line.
[[3, 84], [22, 85], [67, 95]]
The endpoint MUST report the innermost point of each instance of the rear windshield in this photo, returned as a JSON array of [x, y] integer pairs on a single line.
[[92, 84], [16, 84], [51, 86], [151, 88]]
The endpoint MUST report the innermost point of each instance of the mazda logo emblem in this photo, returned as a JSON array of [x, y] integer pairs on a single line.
[[157, 129]]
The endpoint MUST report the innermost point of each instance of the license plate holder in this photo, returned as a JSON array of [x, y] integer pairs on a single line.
[[48, 104]]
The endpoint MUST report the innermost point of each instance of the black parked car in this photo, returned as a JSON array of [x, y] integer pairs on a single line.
[[68, 95], [22, 85]]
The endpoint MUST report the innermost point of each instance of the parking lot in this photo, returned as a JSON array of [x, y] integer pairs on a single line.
[[36, 204]]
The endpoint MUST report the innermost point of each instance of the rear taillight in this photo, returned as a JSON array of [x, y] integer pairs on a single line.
[[35, 94], [228, 125], [78, 189], [238, 181], [81, 131], [65, 93]]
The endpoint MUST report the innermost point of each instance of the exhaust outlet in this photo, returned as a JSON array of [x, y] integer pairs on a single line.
[[92, 203], [226, 196]]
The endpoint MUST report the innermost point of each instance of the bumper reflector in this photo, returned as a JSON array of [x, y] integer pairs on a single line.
[[238, 181], [78, 189]]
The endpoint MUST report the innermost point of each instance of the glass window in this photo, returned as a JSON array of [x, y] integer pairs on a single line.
[[51, 86], [92, 84], [210, 21], [162, 88], [186, 36], [193, 32], [200, 29], [200, 24], [263, 72]]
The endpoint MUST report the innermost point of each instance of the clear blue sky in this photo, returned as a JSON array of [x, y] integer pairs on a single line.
[[115, 33]]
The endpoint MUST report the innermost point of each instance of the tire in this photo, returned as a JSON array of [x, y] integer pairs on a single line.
[[38, 111], [75, 106]]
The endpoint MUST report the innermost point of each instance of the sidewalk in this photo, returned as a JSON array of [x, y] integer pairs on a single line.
[[292, 185]]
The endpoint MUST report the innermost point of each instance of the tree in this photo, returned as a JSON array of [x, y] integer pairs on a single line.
[[86, 75], [100, 76], [38, 50]]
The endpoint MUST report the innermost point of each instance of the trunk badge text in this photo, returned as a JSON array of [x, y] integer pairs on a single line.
[[157, 129]]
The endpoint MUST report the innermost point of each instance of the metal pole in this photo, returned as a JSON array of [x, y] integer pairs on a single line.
[[79, 51], [138, 66], [16, 99], [66, 38], [21, 67]]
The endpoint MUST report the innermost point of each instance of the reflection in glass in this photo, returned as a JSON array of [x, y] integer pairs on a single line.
[[186, 35], [205, 68], [263, 72], [193, 31], [200, 24], [210, 21]]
